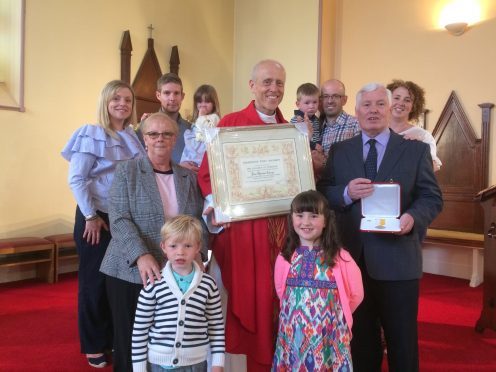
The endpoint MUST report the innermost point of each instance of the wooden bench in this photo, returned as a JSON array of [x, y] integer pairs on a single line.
[[460, 240], [66, 256], [26, 258]]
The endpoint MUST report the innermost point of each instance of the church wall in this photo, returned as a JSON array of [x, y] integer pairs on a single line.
[[286, 31], [72, 50], [385, 39]]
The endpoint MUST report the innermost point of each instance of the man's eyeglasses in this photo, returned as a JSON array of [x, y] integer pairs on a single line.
[[332, 97], [165, 135]]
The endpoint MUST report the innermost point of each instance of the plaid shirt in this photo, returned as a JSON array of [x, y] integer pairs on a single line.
[[345, 126]]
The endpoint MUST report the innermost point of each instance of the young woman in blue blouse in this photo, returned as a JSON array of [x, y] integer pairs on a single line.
[[93, 152]]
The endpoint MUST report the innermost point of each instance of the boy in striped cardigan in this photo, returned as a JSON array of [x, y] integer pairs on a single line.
[[179, 317]]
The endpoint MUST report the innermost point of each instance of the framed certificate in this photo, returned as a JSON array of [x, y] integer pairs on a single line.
[[256, 171]]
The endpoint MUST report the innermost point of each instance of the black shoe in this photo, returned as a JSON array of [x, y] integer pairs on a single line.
[[98, 362]]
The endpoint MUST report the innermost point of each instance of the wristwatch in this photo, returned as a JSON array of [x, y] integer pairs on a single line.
[[91, 217]]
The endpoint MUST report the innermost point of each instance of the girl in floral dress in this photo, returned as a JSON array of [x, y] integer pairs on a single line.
[[319, 286]]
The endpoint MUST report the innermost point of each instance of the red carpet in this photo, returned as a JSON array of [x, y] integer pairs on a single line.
[[449, 309], [38, 327]]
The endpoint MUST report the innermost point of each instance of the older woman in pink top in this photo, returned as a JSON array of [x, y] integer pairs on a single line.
[[146, 192]]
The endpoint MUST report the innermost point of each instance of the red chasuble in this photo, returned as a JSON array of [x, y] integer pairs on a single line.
[[246, 254]]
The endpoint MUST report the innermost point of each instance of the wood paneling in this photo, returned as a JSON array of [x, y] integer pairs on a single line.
[[465, 167]]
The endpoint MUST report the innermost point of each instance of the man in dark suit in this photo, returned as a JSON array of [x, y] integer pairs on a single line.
[[391, 264]]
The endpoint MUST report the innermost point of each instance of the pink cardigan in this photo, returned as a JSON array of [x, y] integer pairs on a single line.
[[348, 279]]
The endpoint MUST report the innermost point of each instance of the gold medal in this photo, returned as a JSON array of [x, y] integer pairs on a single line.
[[382, 224]]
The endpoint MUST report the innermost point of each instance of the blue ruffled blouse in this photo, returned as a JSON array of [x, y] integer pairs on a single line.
[[93, 157]]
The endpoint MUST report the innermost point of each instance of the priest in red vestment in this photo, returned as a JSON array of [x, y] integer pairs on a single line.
[[246, 250]]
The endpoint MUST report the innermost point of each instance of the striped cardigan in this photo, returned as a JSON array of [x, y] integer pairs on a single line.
[[176, 329]]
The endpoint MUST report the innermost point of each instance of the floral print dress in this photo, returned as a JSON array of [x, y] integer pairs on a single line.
[[313, 334]]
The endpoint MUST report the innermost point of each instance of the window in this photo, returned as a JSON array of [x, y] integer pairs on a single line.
[[12, 54]]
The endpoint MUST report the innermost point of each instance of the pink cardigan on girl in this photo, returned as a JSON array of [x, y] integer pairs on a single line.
[[348, 279]]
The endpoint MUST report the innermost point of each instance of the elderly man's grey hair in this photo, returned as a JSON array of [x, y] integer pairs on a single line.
[[370, 87]]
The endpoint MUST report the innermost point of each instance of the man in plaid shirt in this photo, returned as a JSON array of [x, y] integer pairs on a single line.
[[335, 124]]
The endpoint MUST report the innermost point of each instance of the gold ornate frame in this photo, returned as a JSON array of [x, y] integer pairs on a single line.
[[256, 171]]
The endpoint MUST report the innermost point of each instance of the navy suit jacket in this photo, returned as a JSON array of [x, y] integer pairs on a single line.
[[407, 162]]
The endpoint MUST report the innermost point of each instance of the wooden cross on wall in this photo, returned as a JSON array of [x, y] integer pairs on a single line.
[[145, 81]]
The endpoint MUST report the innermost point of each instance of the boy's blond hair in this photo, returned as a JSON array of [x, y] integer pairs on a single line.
[[182, 227], [307, 89]]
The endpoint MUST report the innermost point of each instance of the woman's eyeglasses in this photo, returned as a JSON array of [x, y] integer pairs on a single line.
[[165, 135]]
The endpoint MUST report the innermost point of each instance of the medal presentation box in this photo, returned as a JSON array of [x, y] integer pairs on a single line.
[[381, 210]]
